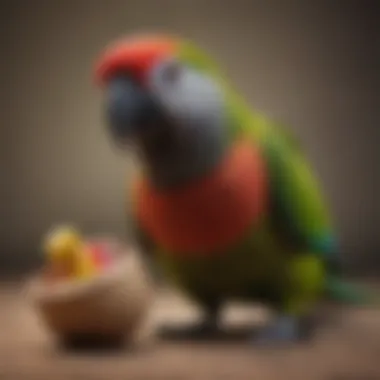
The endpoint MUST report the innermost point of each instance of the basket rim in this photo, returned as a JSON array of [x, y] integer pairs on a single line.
[[39, 290]]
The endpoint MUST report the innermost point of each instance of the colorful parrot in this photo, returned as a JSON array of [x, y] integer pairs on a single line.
[[226, 203]]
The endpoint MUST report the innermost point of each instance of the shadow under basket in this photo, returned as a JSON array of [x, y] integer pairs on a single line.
[[107, 310]]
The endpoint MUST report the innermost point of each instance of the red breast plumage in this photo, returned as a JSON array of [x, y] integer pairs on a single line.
[[212, 213]]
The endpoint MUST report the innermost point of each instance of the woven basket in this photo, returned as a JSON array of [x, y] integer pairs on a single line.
[[108, 308]]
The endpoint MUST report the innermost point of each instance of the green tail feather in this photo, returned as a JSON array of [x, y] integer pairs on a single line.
[[351, 294]]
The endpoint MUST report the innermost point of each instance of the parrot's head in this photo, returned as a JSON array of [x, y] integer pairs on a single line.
[[162, 99]]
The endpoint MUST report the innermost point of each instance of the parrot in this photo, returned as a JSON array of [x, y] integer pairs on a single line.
[[226, 203]]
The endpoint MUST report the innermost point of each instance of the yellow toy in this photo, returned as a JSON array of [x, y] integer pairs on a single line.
[[68, 254]]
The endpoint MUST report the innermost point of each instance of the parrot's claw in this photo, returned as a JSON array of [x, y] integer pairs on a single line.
[[285, 329], [204, 330]]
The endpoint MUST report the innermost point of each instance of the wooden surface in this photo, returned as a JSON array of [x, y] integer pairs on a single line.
[[347, 350]]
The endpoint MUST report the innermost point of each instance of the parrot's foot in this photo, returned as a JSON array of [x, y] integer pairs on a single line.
[[203, 330], [208, 327], [284, 330]]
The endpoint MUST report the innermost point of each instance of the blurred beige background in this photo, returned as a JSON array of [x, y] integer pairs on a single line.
[[312, 66]]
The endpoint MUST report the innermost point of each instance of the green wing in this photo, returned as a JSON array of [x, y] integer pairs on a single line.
[[299, 209], [297, 198]]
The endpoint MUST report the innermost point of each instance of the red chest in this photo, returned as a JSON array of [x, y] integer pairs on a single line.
[[210, 214]]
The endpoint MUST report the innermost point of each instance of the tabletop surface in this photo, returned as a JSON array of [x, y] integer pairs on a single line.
[[347, 350]]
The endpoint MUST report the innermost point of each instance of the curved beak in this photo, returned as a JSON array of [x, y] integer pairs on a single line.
[[129, 108]]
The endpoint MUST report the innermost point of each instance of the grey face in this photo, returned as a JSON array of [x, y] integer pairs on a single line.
[[177, 121]]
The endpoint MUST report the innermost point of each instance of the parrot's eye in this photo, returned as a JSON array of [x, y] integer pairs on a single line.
[[171, 72]]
